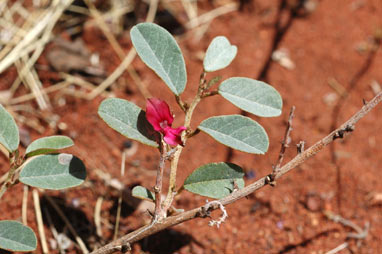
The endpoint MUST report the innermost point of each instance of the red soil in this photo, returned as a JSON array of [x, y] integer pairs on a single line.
[[288, 218]]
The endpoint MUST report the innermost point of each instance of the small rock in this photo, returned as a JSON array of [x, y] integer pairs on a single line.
[[280, 224], [282, 57], [313, 202], [330, 98]]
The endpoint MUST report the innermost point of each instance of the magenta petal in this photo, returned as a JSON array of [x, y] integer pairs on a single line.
[[157, 111], [173, 136]]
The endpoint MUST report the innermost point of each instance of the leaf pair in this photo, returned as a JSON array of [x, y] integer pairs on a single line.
[[48, 171], [9, 138], [52, 171], [240, 132], [159, 51]]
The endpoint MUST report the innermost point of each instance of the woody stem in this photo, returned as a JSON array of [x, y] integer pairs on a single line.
[[159, 213], [187, 124]]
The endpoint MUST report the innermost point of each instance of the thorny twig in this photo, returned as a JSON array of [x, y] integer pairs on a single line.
[[151, 229], [284, 144]]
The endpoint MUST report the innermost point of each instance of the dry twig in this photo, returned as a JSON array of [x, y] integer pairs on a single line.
[[123, 163], [284, 144], [40, 223], [24, 207]]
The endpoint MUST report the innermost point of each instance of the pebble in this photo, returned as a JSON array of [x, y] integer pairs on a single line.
[[313, 202]]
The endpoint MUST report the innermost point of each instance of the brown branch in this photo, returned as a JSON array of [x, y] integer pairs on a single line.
[[158, 214], [284, 144], [145, 231]]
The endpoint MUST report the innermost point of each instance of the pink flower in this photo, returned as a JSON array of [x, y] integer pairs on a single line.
[[159, 116]]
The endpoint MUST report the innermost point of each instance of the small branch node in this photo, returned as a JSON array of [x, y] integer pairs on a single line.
[[125, 247], [301, 147], [235, 186], [270, 179], [170, 154], [192, 133], [341, 133]]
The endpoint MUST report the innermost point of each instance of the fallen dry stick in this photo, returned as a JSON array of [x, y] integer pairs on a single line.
[[123, 244]]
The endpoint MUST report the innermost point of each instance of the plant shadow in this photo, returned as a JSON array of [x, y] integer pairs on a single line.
[[77, 218], [166, 242], [146, 129], [77, 168]]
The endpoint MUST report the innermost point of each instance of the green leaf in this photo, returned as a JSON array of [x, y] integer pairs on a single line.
[[48, 144], [9, 133], [215, 180], [14, 236], [219, 55], [253, 96], [128, 119], [53, 171], [143, 193], [159, 51], [238, 132]]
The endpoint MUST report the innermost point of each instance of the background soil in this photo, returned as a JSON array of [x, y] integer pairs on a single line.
[[329, 40]]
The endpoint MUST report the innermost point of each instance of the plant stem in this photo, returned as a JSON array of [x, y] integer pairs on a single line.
[[159, 212], [187, 123], [14, 162], [284, 144]]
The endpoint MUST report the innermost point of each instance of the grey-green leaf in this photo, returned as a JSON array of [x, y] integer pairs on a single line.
[[238, 132], [143, 193], [128, 119], [9, 133], [219, 55], [215, 180], [53, 171], [159, 51], [48, 144], [253, 96], [14, 236]]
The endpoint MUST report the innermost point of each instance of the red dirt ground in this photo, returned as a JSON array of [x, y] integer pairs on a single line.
[[289, 218]]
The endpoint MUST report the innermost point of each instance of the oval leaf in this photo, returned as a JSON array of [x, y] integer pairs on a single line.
[[143, 193], [159, 51], [128, 119], [53, 171], [14, 236], [48, 144], [219, 55], [238, 132], [9, 133], [253, 96], [215, 180]]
